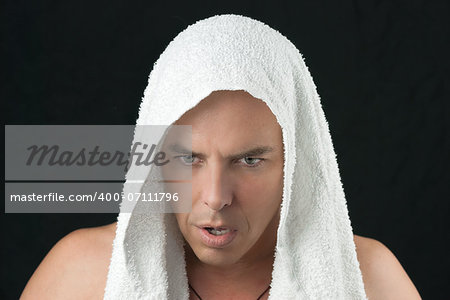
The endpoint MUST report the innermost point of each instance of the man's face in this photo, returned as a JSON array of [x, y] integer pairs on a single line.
[[237, 179]]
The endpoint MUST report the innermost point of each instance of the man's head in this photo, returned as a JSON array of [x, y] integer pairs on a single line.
[[237, 178]]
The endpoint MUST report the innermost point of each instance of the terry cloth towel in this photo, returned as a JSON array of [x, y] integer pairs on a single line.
[[315, 256]]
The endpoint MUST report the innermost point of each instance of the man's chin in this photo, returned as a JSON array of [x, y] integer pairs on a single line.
[[216, 257]]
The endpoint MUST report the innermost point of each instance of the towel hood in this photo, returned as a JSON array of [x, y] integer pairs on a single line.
[[315, 255]]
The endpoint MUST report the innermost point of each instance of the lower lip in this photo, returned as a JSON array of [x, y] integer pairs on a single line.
[[217, 241]]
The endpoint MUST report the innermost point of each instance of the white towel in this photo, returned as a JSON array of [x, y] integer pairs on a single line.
[[315, 256]]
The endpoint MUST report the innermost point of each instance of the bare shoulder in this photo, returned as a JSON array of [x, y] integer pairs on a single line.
[[383, 275], [75, 268]]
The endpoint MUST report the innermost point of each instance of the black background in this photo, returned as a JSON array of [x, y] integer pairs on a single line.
[[380, 67]]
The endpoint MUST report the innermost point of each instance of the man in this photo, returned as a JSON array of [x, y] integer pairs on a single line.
[[268, 217], [235, 187]]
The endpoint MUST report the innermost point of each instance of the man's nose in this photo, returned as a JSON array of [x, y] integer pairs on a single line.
[[216, 187]]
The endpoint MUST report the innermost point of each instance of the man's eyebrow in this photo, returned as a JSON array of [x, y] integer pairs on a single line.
[[256, 151]]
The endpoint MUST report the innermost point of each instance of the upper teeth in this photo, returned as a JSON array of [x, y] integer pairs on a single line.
[[218, 232]]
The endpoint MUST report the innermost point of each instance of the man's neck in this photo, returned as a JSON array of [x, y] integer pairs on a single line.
[[242, 280]]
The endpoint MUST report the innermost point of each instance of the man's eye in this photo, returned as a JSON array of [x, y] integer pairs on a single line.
[[187, 159], [251, 161]]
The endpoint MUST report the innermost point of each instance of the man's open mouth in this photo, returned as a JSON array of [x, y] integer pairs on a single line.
[[217, 231], [217, 236]]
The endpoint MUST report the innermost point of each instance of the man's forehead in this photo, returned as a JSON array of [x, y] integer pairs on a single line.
[[221, 103]]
